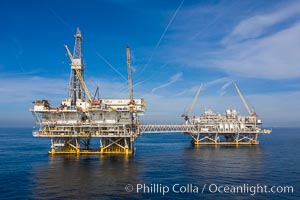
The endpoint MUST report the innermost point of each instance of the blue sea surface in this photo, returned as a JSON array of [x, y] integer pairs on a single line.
[[160, 161]]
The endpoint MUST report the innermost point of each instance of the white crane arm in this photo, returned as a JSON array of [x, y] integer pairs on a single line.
[[195, 99], [242, 98]]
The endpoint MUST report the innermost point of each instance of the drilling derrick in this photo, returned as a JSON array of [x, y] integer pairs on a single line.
[[85, 125], [75, 89]]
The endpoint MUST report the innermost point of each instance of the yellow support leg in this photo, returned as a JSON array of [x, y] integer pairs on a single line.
[[195, 142], [101, 149], [53, 150], [126, 151]]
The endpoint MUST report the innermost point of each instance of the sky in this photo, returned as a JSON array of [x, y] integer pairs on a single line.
[[175, 45]]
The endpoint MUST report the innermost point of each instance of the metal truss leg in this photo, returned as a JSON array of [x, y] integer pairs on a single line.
[[65, 146], [122, 145]]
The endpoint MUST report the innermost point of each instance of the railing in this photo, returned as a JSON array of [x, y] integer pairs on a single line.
[[166, 128]]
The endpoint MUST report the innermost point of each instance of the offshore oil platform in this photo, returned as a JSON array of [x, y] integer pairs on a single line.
[[115, 123], [229, 128]]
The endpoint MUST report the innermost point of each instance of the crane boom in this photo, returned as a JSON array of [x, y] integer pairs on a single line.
[[242, 98], [78, 74], [96, 93], [129, 74], [186, 114], [195, 98]]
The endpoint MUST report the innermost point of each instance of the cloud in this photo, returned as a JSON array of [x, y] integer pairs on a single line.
[[161, 109], [137, 84], [222, 91], [273, 57], [172, 80], [216, 81], [225, 81], [255, 26], [27, 89], [250, 53], [206, 85], [260, 46], [189, 91], [18, 93]]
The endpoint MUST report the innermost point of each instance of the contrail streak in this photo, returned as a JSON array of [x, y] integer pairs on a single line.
[[152, 75], [60, 18], [170, 22], [172, 80], [163, 35], [111, 66]]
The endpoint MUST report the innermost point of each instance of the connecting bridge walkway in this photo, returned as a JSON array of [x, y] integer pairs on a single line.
[[166, 128]]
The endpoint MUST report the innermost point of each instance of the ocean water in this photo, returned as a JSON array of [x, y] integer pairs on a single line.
[[161, 161]]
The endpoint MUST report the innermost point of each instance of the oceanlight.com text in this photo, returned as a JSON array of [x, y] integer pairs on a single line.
[[163, 189]]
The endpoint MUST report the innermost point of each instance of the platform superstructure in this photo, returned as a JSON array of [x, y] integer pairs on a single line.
[[228, 128], [81, 118]]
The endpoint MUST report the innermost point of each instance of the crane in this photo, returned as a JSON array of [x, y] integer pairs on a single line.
[[78, 74], [129, 74], [96, 93], [131, 103], [186, 114], [251, 113]]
